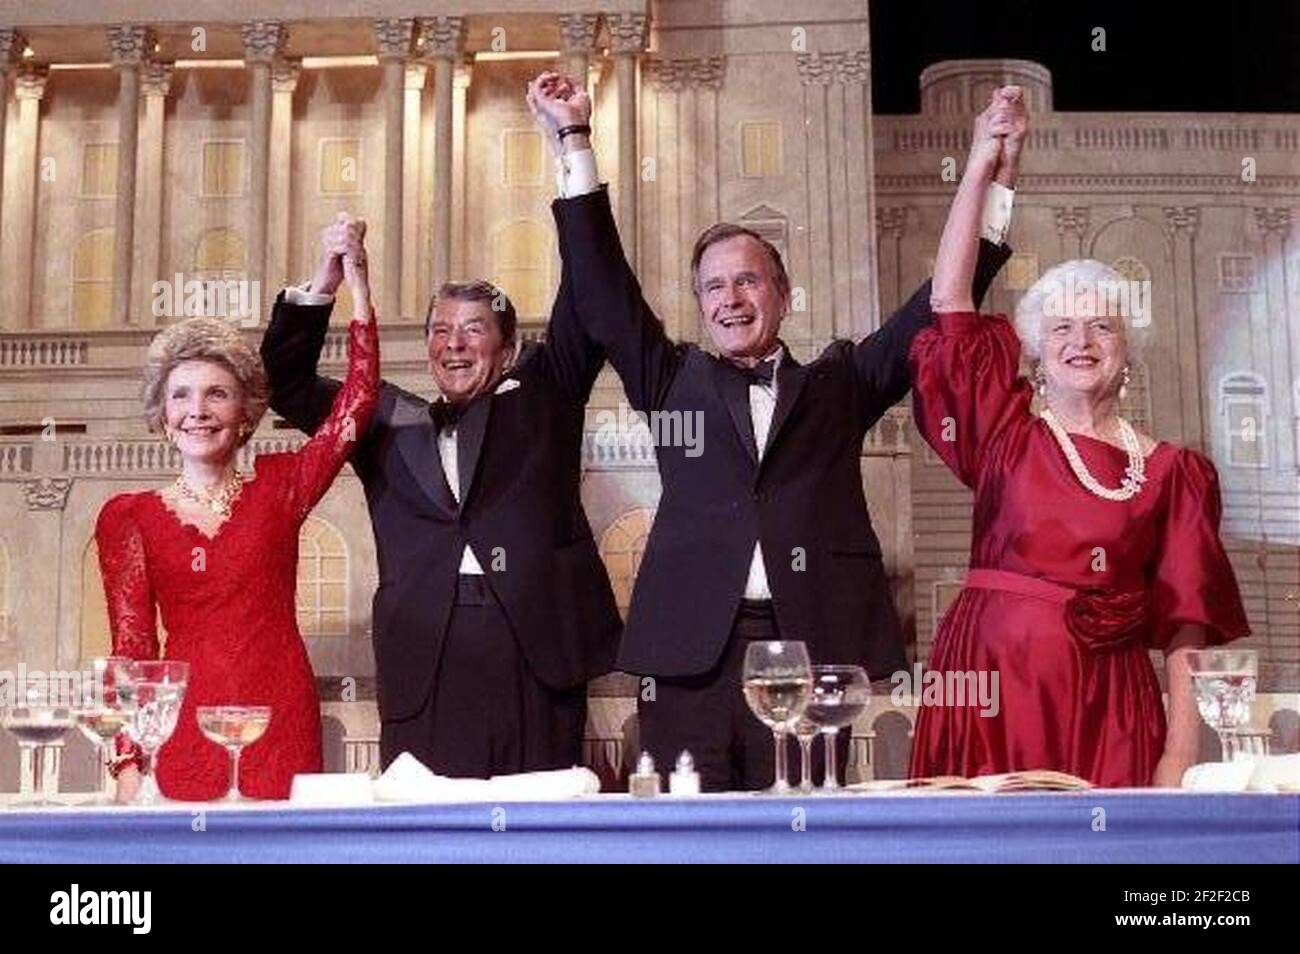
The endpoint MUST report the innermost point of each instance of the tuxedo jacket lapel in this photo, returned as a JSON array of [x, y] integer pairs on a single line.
[[734, 390], [417, 441], [790, 378], [469, 441]]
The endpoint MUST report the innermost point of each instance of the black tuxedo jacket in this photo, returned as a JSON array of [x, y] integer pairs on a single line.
[[804, 501], [519, 455]]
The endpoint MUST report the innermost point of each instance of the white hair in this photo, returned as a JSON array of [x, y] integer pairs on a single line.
[[1078, 276]]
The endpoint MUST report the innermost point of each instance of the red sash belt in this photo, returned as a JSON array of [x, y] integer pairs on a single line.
[[1098, 618]]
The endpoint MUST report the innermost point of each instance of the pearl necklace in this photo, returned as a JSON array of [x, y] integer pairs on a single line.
[[219, 503], [1134, 474]]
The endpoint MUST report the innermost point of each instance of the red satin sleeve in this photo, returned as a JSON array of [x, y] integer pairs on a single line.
[[967, 388], [1191, 578]]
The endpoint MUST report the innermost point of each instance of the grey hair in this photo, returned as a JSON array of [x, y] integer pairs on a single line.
[[1052, 286], [204, 339]]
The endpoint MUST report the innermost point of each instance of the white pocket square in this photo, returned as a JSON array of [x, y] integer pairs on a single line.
[[509, 384]]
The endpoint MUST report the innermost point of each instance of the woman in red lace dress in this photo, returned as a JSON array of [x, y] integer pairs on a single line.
[[216, 553], [1092, 543]]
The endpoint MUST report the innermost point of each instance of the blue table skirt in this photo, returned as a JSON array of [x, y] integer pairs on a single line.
[[1139, 827]]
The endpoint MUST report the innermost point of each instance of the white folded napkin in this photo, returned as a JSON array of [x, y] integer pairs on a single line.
[[1260, 773], [408, 780], [337, 788]]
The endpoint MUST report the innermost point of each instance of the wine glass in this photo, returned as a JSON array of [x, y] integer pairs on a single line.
[[806, 732], [1224, 683], [839, 695], [159, 687], [233, 727], [106, 712], [39, 721], [777, 682]]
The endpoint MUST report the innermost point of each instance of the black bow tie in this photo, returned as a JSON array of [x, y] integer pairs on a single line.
[[760, 374], [445, 414]]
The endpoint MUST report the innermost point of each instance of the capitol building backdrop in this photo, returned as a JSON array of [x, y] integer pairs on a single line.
[[193, 146]]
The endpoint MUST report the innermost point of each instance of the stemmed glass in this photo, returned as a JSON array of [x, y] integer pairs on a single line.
[[39, 721], [806, 732], [1224, 683], [839, 695], [777, 681], [159, 687], [233, 727], [107, 712]]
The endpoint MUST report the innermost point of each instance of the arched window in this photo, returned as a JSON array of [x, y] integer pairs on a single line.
[[1243, 409], [322, 598], [521, 257], [621, 547], [92, 280], [220, 262]]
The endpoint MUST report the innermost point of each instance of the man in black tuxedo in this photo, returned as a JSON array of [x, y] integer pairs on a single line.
[[493, 608], [765, 533]]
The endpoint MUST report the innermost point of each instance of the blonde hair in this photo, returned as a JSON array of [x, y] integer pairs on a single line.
[[204, 339], [1077, 272]]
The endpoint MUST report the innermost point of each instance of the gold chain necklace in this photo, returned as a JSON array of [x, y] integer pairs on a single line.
[[219, 502]]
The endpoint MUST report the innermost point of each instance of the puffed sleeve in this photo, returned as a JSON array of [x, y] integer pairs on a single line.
[[1191, 578], [967, 387], [127, 587], [313, 468]]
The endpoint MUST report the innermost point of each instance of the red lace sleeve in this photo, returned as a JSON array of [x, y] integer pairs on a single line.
[[967, 387], [127, 588], [318, 462]]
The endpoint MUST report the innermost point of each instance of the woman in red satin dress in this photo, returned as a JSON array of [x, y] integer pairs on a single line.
[[1092, 543], [217, 553]]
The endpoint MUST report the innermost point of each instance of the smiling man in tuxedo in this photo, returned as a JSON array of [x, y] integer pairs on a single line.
[[493, 609], [765, 535]]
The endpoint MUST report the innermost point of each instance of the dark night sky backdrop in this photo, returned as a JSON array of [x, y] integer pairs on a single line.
[[1242, 56]]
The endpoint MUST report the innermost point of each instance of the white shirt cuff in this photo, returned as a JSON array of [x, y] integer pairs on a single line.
[[575, 173], [301, 295], [997, 213]]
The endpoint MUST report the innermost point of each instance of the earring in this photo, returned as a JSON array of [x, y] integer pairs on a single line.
[[1124, 382], [245, 429], [1040, 380]]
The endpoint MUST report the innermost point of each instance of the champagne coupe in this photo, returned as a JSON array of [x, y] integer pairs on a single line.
[[777, 682], [1224, 683], [106, 712], [839, 695], [39, 721], [159, 687], [233, 727]]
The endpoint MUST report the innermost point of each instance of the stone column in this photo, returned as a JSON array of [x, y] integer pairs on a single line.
[[263, 40], [155, 83], [29, 88], [1182, 223], [891, 220], [1274, 226], [816, 74], [1072, 221], [577, 42], [284, 80], [130, 46], [11, 49], [414, 93], [462, 76], [394, 37], [444, 38], [860, 174], [627, 33]]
